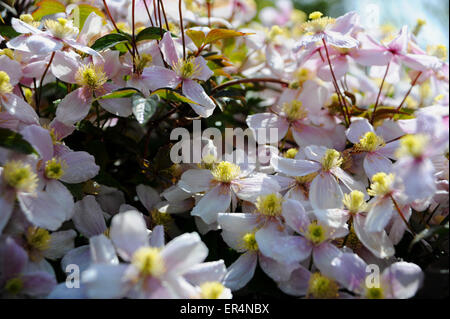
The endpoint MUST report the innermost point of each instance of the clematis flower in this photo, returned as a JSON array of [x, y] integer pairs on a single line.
[[326, 164], [152, 272], [354, 210], [401, 280], [333, 31], [374, 145], [16, 279], [184, 72], [92, 77], [58, 33]]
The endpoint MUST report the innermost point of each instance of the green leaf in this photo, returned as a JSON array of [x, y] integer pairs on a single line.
[[118, 94], [14, 141], [144, 108], [220, 34], [170, 95], [150, 33], [428, 232], [84, 10], [8, 31], [47, 7], [197, 36], [109, 41]]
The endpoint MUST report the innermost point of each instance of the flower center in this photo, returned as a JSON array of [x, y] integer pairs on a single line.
[[91, 76], [354, 201], [370, 142], [321, 287], [211, 290], [144, 61], [249, 241], [270, 205], [294, 110], [331, 159], [20, 176], [5, 85], [187, 69], [60, 28], [412, 145], [14, 286], [7, 52], [291, 153], [306, 179], [28, 19], [316, 233], [225, 172], [317, 23], [38, 240], [149, 261], [439, 51], [54, 168], [374, 293], [381, 184], [159, 218]]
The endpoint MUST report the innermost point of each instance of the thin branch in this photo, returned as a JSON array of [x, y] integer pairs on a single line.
[[379, 93], [409, 91], [239, 81], [182, 28]]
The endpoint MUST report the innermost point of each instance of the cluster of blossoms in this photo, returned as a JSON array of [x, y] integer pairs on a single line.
[[359, 164]]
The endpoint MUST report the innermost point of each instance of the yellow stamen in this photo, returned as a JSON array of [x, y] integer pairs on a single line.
[[38, 238], [354, 201], [294, 110], [187, 69], [321, 287], [370, 142], [211, 290], [381, 184], [61, 28], [270, 205], [8, 52], [91, 76], [14, 286], [149, 261], [20, 176], [306, 179], [249, 242], [316, 233], [54, 168], [331, 159], [291, 153], [374, 293], [5, 85], [28, 19], [225, 172], [412, 145]]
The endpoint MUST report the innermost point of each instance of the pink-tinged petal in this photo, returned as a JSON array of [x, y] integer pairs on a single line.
[[258, 185], [156, 77], [80, 47], [60, 243], [308, 40], [404, 278], [421, 62], [274, 60], [418, 177], [167, 46], [49, 208], [298, 283], [390, 149], [340, 68], [334, 217], [195, 92], [313, 95], [7, 200], [292, 167], [75, 106], [148, 196], [348, 181], [357, 130], [19, 109], [276, 270], [215, 201], [323, 256], [13, 259], [314, 152], [91, 28], [390, 130], [12, 68], [204, 272], [277, 245], [157, 237], [111, 63], [40, 139], [375, 163], [128, 232], [105, 281], [346, 23], [204, 72], [183, 252], [60, 129], [238, 222], [196, 180], [235, 239], [88, 217], [400, 43], [80, 256], [379, 215], [295, 216], [241, 271], [23, 27], [350, 271], [340, 40], [65, 65], [38, 284], [41, 45], [398, 227], [378, 243], [325, 192], [371, 57], [102, 250], [80, 167], [262, 124], [306, 135]]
